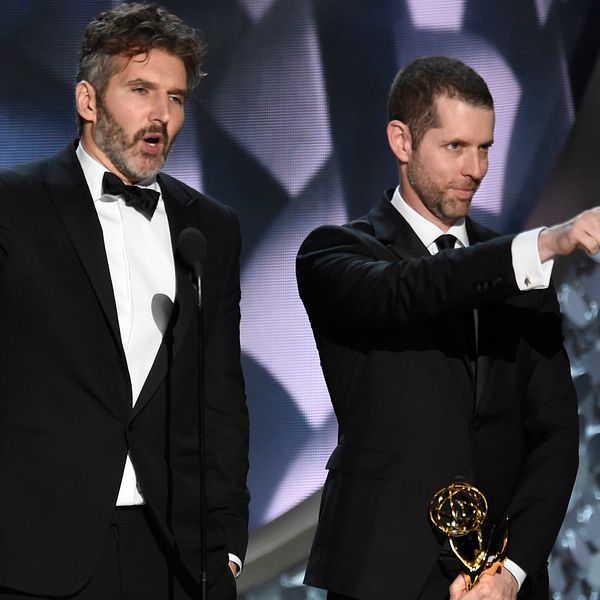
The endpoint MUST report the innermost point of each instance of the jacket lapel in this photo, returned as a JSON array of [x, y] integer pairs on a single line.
[[392, 230], [68, 191]]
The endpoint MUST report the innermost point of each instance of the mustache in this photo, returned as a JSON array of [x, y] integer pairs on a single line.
[[142, 133], [469, 184]]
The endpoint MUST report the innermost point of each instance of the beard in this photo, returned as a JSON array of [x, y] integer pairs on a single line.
[[435, 197], [112, 139]]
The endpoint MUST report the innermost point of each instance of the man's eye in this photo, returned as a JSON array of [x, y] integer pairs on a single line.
[[139, 90], [453, 146], [177, 99]]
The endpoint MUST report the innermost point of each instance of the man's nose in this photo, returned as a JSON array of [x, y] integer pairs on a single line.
[[160, 109], [475, 165]]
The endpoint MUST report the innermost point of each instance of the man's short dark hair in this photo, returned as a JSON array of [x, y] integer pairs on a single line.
[[416, 88], [131, 29]]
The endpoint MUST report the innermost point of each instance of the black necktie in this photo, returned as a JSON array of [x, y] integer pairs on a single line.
[[447, 242], [143, 200]]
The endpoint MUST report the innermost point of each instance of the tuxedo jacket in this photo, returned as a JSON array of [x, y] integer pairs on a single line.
[[414, 414], [66, 415]]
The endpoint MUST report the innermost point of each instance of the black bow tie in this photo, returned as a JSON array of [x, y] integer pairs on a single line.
[[143, 200]]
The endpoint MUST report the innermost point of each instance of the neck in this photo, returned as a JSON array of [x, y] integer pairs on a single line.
[[90, 146]]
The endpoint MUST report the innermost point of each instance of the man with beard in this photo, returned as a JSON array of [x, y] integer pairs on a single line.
[[442, 350], [99, 386]]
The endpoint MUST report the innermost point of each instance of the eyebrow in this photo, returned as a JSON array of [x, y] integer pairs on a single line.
[[464, 143]]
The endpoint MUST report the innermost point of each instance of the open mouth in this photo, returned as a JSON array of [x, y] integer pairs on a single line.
[[153, 144], [152, 140]]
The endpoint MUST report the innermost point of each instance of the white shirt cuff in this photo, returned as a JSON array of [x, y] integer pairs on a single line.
[[515, 570], [238, 562], [530, 272]]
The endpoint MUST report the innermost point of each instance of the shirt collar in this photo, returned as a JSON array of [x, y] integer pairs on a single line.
[[94, 172], [426, 231]]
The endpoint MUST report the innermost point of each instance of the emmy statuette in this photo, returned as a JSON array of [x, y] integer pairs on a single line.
[[458, 511]]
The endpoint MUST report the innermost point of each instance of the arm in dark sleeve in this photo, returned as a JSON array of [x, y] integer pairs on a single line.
[[539, 501], [226, 411], [345, 274]]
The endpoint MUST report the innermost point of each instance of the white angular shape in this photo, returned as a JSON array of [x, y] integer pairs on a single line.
[[275, 330], [273, 101], [305, 474], [447, 15], [543, 9], [256, 9]]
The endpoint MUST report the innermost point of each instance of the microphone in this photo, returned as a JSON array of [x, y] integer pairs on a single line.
[[192, 247]]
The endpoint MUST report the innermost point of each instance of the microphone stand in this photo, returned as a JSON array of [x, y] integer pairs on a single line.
[[197, 283], [192, 248]]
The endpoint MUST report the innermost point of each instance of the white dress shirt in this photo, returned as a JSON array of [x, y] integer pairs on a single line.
[[142, 272]]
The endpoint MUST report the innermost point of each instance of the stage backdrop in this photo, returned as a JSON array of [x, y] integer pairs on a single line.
[[288, 127]]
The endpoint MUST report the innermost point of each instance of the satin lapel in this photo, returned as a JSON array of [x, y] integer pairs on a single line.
[[392, 230], [71, 197], [182, 213]]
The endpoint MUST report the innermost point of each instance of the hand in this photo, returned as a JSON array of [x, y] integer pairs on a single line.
[[498, 584], [581, 232], [459, 587], [234, 568]]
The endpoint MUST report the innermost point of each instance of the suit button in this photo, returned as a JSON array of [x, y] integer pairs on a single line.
[[130, 427], [476, 424]]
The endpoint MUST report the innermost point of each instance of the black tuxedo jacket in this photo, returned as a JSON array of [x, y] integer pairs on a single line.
[[66, 416], [412, 416]]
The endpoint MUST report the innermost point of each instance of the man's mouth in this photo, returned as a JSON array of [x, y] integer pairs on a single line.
[[153, 143], [465, 193]]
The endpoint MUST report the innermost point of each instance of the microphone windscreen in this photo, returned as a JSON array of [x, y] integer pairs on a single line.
[[192, 248]]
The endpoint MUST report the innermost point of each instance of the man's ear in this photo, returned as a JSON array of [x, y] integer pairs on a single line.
[[86, 101], [400, 140]]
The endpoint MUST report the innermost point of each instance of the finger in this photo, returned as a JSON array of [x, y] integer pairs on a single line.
[[589, 244], [586, 230], [458, 588]]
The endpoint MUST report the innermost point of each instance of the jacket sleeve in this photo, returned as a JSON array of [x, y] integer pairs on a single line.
[[226, 411], [346, 275], [550, 425]]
